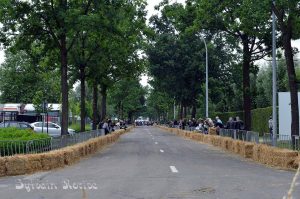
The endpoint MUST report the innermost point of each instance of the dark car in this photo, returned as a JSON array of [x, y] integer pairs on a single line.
[[15, 124]]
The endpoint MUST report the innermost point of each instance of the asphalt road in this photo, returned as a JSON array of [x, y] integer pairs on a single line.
[[151, 164]]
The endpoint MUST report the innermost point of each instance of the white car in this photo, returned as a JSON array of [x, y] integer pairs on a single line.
[[54, 130]]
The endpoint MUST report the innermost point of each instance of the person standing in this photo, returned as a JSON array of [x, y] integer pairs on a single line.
[[271, 127]]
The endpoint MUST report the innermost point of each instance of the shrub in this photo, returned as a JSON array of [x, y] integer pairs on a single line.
[[76, 127], [260, 118], [14, 141]]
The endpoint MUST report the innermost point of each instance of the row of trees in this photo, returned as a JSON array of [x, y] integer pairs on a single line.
[[94, 42], [238, 34]]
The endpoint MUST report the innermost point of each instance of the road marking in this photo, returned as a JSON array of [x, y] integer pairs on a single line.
[[156, 142], [161, 150], [3, 186], [173, 169]]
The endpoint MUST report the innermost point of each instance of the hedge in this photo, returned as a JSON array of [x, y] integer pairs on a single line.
[[260, 118], [14, 141]]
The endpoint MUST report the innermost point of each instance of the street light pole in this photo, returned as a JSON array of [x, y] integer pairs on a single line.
[[206, 80], [274, 76]]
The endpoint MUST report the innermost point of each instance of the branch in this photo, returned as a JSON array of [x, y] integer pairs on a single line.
[[85, 12], [50, 31]]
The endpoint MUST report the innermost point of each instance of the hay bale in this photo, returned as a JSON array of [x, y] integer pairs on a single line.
[[216, 140], [81, 150], [52, 160], [256, 152], [70, 156], [237, 146], [2, 166], [230, 145], [16, 165], [198, 137], [247, 149], [284, 158], [207, 139], [34, 163], [225, 143], [212, 131]]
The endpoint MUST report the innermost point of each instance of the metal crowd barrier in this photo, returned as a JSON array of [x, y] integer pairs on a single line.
[[12, 147]]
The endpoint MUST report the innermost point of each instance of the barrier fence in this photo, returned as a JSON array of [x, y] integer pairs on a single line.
[[282, 141], [11, 147]]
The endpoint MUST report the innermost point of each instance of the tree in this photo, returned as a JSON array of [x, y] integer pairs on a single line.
[[248, 22], [288, 17], [128, 98], [48, 25], [177, 59], [21, 80]]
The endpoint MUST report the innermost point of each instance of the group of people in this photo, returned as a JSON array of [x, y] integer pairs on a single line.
[[204, 124], [109, 126], [235, 123], [200, 124]]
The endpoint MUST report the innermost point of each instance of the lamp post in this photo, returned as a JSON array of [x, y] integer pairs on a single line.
[[206, 79], [274, 77]]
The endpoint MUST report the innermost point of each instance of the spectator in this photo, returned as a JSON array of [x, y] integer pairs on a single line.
[[229, 124], [219, 123], [239, 124], [271, 126]]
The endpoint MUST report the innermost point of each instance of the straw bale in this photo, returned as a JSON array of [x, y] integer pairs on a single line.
[[247, 149], [230, 145], [207, 139], [16, 165], [284, 158], [52, 160], [2, 166], [70, 156], [212, 131], [198, 137], [256, 152], [216, 140], [34, 163], [225, 143], [237, 146]]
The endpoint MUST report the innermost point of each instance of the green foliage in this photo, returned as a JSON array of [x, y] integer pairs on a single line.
[[20, 134], [21, 81], [76, 127], [14, 141], [128, 98]]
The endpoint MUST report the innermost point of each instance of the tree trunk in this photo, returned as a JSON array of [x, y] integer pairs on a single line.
[[246, 82], [95, 106], [181, 111], [184, 111], [64, 84], [82, 98], [103, 102], [194, 109], [288, 52], [122, 111]]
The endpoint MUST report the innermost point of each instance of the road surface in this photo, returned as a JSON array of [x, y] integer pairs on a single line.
[[149, 163]]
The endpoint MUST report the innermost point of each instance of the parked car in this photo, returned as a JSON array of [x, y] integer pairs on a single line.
[[54, 130], [15, 124]]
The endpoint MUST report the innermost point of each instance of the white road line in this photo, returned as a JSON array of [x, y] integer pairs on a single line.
[[161, 150], [3, 186], [156, 142], [173, 169]]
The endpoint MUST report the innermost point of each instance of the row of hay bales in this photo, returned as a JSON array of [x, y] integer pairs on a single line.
[[272, 156], [30, 163]]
